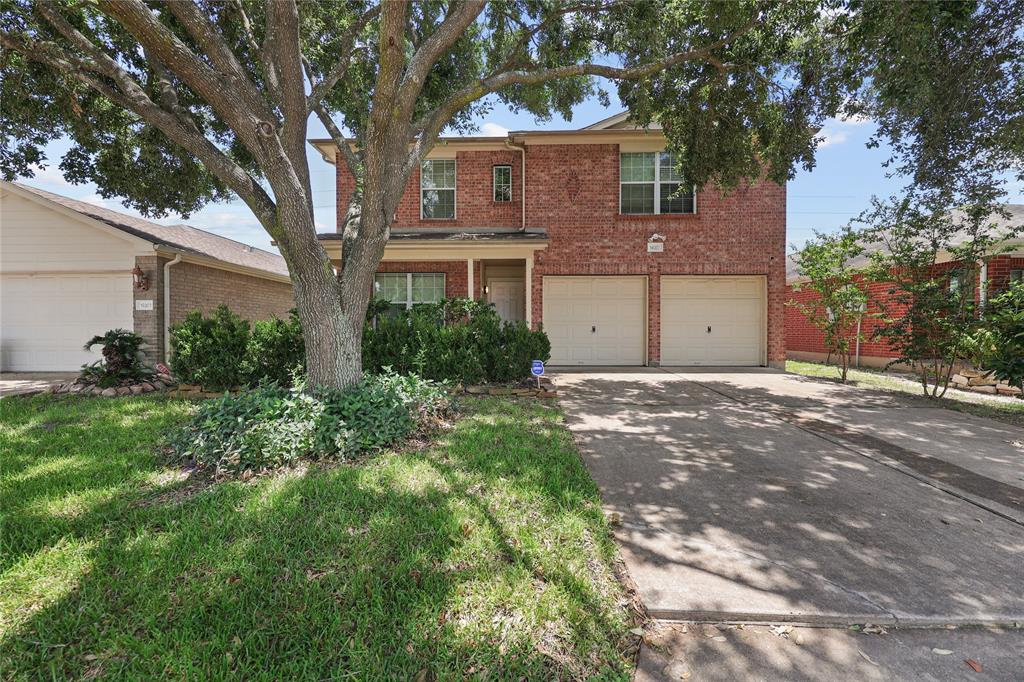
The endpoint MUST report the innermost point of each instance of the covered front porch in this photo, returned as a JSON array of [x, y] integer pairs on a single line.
[[426, 264]]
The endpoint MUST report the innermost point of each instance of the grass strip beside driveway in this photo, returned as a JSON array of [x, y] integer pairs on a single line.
[[1003, 409], [484, 552]]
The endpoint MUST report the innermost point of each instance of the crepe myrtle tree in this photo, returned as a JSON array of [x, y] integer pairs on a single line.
[[170, 105], [838, 301]]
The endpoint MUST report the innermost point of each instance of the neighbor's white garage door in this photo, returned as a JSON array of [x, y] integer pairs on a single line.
[[712, 320], [45, 319], [596, 320]]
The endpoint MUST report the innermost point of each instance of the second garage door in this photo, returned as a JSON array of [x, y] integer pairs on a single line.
[[596, 320], [712, 321], [45, 319]]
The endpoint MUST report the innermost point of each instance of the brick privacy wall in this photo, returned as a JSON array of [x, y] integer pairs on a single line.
[[802, 336], [573, 191]]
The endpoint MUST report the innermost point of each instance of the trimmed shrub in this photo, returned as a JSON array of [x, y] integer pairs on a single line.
[[209, 351], [454, 340], [272, 426], [275, 353], [123, 359]]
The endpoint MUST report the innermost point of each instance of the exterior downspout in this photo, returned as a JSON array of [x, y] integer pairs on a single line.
[[522, 181], [167, 304]]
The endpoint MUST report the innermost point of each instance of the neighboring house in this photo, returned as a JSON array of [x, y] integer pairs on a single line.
[[70, 270], [805, 342], [606, 248]]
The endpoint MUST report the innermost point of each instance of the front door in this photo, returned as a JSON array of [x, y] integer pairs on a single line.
[[508, 297]]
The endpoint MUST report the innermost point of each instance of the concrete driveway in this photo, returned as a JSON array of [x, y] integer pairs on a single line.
[[23, 383], [754, 495]]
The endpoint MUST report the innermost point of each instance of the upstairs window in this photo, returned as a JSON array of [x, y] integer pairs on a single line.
[[649, 185], [407, 289], [502, 184], [437, 189]]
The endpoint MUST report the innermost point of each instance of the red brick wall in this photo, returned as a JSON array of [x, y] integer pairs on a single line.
[[573, 192], [802, 337], [474, 193], [999, 272], [195, 287]]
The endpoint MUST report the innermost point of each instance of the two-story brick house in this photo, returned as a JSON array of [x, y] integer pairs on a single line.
[[591, 234]]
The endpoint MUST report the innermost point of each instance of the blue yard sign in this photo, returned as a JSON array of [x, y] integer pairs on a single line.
[[537, 369]]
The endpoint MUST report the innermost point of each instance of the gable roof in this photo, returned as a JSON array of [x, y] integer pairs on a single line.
[[179, 238], [1015, 222], [619, 121]]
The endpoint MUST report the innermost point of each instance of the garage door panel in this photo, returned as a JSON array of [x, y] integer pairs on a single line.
[[595, 320], [44, 320], [712, 320]]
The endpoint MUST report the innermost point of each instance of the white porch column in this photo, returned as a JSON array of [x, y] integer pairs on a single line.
[[529, 291], [469, 271]]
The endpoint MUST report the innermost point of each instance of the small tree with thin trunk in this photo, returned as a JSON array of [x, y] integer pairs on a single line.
[[930, 258], [838, 298]]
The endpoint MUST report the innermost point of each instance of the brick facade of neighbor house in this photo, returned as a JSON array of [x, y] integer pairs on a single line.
[[198, 287], [805, 342]]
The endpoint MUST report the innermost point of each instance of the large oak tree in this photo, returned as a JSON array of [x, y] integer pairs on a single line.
[[172, 104]]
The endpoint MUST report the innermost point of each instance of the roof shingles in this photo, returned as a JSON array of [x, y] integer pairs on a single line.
[[176, 237]]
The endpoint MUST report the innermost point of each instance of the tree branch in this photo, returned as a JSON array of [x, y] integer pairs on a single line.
[[428, 127], [138, 102], [210, 41], [341, 67], [158, 39], [344, 148], [439, 42]]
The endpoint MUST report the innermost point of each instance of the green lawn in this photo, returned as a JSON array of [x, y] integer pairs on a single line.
[[1007, 411], [485, 555]]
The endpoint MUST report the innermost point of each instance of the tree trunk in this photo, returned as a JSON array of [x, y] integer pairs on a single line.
[[332, 334]]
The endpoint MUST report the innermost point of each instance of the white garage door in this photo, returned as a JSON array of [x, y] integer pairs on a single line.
[[596, 320], [712, 321], [45, 319]]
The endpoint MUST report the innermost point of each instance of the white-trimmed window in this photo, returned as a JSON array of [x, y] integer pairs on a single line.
[[406, 289], [437, 189], [1017, 275], [649, 185], [502, 184]]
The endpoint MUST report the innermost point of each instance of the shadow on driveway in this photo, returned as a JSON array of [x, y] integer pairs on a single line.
[[732, 509]]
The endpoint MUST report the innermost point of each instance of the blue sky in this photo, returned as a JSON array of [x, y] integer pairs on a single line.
[[840, 186]]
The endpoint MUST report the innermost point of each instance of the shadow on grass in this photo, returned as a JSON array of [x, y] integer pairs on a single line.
[[486, 552]]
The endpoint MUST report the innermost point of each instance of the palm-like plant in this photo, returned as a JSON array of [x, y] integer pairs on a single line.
[[122, 357]]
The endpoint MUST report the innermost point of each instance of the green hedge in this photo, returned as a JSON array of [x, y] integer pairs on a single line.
[[453, 340]]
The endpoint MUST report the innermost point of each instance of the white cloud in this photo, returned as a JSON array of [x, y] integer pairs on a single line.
[[50, 175], [493, 130], [830, 138]]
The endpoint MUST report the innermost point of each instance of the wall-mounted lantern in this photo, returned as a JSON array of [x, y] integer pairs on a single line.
[[139, 279]]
